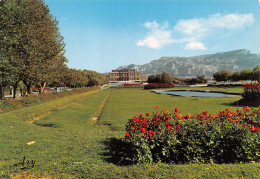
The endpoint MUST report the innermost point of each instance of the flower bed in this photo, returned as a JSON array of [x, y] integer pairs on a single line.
[[158, 85], [172, 137], [133, 85], [251, 90]]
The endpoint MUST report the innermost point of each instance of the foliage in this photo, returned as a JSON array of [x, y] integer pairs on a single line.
[[163, 78], [172, 137], [32, 50], [198, 80], [222, 75], [246, 74], [30, 40], [251, 91], [158, 85], [256, 73]]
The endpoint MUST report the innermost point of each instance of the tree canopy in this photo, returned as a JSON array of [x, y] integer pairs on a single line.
[[32, 48]]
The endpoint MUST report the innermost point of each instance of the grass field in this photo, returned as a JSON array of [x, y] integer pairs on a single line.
[[73, 141]]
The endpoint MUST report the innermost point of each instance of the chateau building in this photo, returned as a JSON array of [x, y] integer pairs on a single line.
[[125, 75]]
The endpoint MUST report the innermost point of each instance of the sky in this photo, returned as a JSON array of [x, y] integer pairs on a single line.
[[102, 35]]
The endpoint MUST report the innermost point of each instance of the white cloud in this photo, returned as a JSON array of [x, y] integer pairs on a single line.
[[204, 25], [195, 46], [158, 35], [193, 31], [150, 42]]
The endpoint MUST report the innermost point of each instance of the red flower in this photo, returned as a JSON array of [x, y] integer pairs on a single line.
[[144, 130], [256, 129], [132, 128], [244, 124], [176, 110], [177, 126], [157, 106], [177, 132], [166, 124], [202, 122], [127, 134], [170, 127], [147, 114], [204, 132]]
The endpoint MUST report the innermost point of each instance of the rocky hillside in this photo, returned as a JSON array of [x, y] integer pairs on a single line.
[[200, 65]]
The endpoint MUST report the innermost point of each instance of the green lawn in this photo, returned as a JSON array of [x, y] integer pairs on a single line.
[[75, 146]]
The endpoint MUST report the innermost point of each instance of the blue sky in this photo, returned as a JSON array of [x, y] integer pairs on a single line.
[[102, 35]]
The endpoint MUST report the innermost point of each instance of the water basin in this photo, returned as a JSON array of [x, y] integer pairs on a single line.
[[200, 94]]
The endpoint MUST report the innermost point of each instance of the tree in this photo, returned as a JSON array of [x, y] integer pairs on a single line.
[[7, 75], [166, 77], [246, 74], [222, 75], [201, 79], [30, 40], [256, 73], [236, 76], [161, 78]]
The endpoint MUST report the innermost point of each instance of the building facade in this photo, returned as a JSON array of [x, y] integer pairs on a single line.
[[125, 75]]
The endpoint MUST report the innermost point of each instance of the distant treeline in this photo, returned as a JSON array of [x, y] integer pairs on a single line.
[[247, 75], [168, 78], [32, 50], [220, 76]]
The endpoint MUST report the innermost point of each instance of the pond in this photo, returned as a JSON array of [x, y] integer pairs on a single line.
[[201, 93]]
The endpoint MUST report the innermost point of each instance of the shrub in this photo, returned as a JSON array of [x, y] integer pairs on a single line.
[[172, 137], [158, 85], [251, 91]]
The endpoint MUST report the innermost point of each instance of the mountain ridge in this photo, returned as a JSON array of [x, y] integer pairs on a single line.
[[207, 64]]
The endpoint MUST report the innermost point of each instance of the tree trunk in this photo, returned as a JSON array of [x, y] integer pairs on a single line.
[[42, 86], [2, 92], [15, 89], [28, 88], [11, 90]]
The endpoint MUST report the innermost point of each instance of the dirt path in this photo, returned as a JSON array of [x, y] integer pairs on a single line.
[[97, 114], [58, 109]]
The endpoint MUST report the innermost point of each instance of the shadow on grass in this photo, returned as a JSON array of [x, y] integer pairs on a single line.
[[251, 102], [118, 152]]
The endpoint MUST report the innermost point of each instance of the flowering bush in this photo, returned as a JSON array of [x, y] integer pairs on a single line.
[[158, 85], [173, 137], [251, 91]]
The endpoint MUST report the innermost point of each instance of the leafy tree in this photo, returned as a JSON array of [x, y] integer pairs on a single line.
[[246, 74], [7, 75], [201, 79], [222, 75], [30, 40], [166, 77], [236, 76], [256, 73]]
